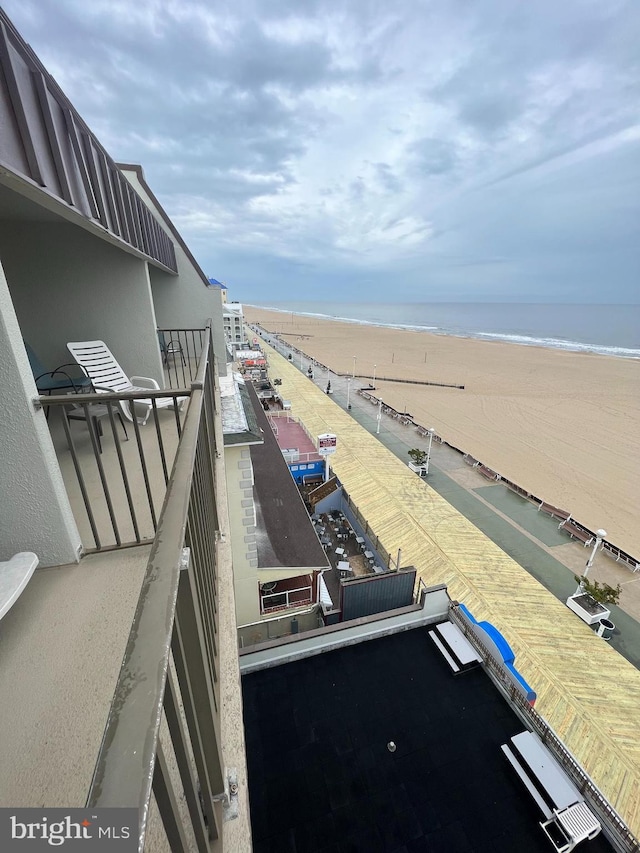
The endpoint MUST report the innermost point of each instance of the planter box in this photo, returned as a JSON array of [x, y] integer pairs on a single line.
[[587, 608], [419, 469]]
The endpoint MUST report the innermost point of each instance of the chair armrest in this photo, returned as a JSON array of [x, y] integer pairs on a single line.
[[145, 382], [52, 373], [77, 366]]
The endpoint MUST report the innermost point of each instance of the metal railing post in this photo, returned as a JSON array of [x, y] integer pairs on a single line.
[[168, 804]]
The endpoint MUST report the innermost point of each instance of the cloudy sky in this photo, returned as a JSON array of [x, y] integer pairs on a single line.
[[422, 150]]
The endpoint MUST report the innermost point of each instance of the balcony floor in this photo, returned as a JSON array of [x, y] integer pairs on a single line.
[[62, 647]]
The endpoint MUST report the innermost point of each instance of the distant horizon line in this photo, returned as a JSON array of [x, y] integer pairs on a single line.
[[434, 302]]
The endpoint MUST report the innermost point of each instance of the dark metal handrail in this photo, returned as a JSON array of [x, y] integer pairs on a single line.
[[175, 620], [122, 496], [109, 396], [180, 351], [125, 488]]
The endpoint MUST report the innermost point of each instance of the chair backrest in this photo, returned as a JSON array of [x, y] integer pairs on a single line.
[[97, 360], [36, 365]]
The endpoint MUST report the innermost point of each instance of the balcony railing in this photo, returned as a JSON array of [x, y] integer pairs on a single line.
[[180, 350], [171, 668], [116, 470], [286, 599]]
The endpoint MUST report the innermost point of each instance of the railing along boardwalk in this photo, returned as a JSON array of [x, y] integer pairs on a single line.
[[175, 630], [116, 470]]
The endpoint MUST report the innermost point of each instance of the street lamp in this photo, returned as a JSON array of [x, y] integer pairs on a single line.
[[354, 367], [600, 535], [374, 375], [431, 431], [348, 392], [379, 417]]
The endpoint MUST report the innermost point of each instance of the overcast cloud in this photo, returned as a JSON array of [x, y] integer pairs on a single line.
[[420, 150]]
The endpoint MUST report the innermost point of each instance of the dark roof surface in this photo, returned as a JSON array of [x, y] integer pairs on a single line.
[[322, 779], [253, 433], [286, 538]]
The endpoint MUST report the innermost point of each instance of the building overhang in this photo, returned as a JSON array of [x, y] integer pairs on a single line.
[[50, 156]]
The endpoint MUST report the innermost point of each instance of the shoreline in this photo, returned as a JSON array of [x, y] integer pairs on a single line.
[[554, 343], [559, 423]]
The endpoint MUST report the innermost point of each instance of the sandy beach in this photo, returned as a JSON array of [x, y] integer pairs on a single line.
[[563, 425]]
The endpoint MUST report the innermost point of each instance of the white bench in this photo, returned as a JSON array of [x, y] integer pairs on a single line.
[[568, 819], [14, 576], [456, 649]]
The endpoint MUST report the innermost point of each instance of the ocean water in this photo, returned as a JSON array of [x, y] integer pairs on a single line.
[[605, 329]]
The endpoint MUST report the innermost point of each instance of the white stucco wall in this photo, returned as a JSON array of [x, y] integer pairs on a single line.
[[67, 285], [34, 511], [183, 301], [239, 477]]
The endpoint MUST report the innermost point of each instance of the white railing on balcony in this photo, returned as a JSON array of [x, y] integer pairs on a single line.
[[288, 598]]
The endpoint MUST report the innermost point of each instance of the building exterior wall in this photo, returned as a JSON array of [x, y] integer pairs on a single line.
[[233, 321], [66, 285], [35, 512], [242, 526], [184, 300]]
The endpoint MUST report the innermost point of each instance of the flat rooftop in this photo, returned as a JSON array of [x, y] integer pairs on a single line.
[[286, 537], [321, 777]]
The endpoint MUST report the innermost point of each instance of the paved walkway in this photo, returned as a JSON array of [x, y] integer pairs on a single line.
[[587, 692]]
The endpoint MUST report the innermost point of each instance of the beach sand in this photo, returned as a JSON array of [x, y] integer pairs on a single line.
[[563, 425]]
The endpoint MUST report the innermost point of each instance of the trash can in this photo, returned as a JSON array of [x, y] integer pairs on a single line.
[[605, 629]]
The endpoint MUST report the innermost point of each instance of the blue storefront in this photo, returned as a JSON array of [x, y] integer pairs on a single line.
[[301, 470]]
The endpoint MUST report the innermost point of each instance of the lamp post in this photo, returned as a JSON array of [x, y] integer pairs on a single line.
[[431, 431], [348, 392], [379, 417], [600, 535], [353, 376], [374, 375]]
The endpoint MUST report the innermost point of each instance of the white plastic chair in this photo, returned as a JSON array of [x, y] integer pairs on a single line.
[[98, 362]]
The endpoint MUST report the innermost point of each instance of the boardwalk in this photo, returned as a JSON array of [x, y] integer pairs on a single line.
[[587, 692]]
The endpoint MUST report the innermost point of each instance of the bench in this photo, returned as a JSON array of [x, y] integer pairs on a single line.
[[554, 511], [14, 576], [577, 532], [454, 647], [568, 819], [470, 460], [488, 473]]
